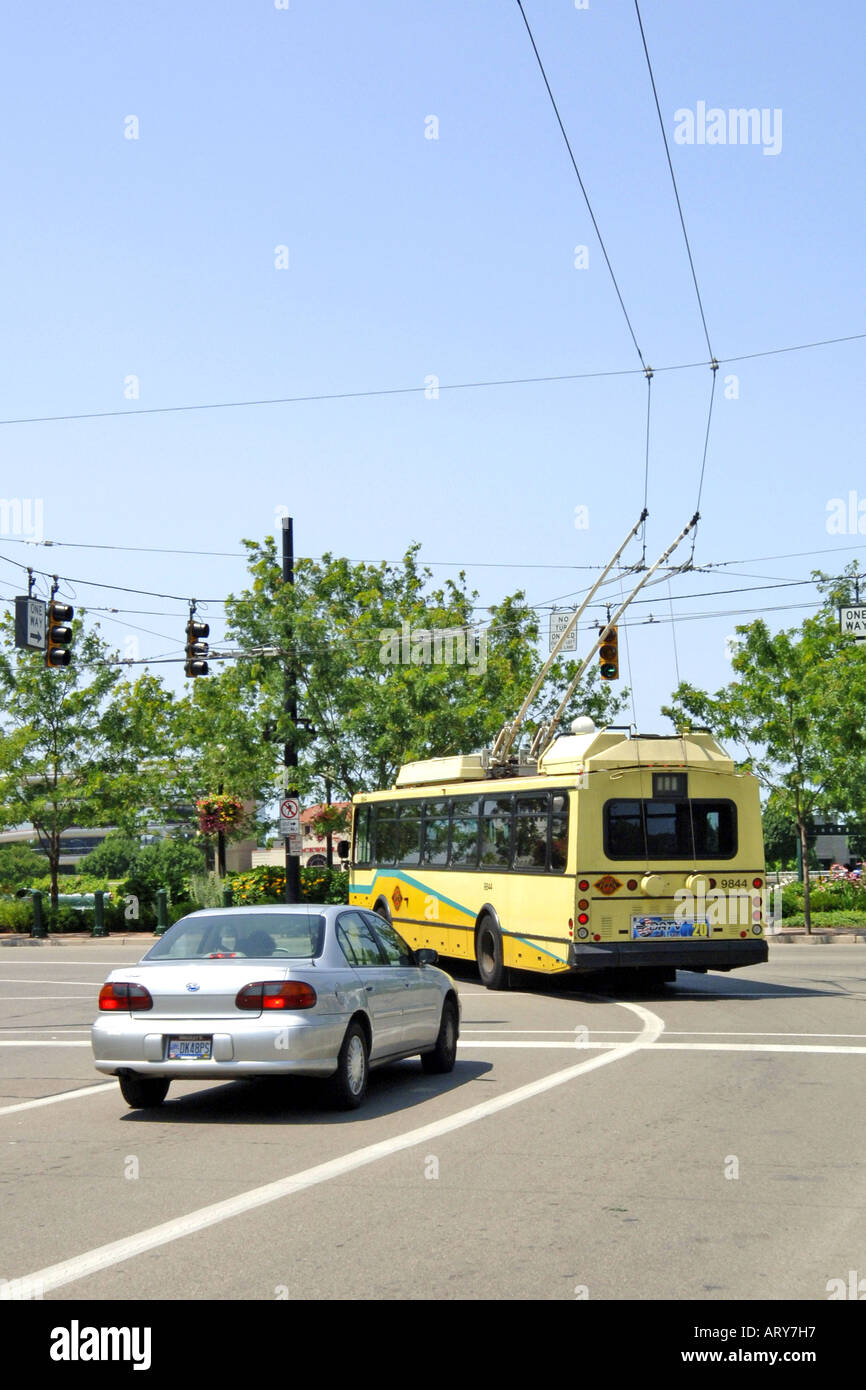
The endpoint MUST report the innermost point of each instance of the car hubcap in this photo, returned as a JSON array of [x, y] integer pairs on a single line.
[[355, 1065]]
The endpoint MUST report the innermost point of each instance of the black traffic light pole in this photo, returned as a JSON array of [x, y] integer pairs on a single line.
[[290, 706]]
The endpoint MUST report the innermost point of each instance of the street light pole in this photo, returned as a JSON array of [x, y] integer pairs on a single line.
[[290, 707]]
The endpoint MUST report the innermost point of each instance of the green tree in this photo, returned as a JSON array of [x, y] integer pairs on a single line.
[[78, 745], [370, 693], [113, 857], [19, 865], [780, 833], [797, 708]]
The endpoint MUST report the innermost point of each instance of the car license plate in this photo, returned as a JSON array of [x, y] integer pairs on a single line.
[[654, 928], [196, 1049]]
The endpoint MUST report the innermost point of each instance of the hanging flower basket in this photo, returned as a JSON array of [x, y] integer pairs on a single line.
[[219, 813]]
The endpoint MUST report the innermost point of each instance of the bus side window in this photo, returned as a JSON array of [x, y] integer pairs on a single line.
[[496, 832], [530, 832], [559, 832]]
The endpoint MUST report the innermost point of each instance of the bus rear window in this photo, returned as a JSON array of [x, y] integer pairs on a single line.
[[657, 829]]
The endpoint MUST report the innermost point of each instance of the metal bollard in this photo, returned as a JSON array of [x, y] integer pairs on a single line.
[[228, 896], [161, 911], [38, 929], [99, 914]]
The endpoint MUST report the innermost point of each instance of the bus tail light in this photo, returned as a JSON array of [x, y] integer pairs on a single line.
[[583, 918], [583, 885]]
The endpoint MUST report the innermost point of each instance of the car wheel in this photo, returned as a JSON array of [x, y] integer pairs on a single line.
[[488, 954], [144, 1092], [444, 1054], [353, 1069]]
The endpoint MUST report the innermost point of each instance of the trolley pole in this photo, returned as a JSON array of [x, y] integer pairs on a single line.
[[290, 707]]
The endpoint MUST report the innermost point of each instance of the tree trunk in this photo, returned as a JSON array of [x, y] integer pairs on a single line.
[[804, 851], [329, 854]]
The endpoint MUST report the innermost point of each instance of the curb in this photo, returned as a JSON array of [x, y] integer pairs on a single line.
[[72, 939]]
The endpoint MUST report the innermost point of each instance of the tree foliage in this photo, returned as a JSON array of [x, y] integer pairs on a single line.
[[797, 708], [371, 693]]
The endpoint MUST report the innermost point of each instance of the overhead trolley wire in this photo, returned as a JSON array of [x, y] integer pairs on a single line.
[[673, 179], [581, 183], [418, 390]]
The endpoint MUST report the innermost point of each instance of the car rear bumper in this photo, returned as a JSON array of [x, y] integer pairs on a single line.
[[246, 1047], [668, 955]]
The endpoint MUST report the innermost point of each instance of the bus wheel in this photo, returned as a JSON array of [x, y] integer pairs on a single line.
[[488, 953]]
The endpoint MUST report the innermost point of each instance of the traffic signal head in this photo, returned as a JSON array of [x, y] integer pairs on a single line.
[[196, 649], [608, 655], [58, 634]]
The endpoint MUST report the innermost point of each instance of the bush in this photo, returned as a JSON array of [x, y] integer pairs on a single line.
[[267, 884], [168, 864], [205, 890], [16, 915], [113, 857]]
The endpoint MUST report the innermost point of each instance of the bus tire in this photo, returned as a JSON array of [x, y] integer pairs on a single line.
[[488, 954]]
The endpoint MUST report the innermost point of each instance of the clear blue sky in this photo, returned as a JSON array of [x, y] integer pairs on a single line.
[[261, 127]]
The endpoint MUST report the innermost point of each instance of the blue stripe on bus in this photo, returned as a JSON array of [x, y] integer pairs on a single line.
[[415, 883]]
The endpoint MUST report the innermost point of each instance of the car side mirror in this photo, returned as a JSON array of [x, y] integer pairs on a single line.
[[426, 956]]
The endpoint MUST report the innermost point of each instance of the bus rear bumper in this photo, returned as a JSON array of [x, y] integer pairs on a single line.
[[667, 955]]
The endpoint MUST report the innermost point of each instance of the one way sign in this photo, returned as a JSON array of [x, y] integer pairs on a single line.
[[853, 621]]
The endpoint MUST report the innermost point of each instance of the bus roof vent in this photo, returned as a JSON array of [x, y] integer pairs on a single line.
[[466, 767]]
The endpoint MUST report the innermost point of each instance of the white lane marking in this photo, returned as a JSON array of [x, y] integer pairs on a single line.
[[104, 1256], [54, 1100], [632, 1032], [482, 1044]]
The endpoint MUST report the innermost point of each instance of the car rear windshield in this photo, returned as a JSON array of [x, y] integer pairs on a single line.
[[295, 936]]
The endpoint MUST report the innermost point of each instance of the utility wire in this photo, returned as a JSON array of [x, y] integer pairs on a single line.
[[673, 179], [417, 390], [581, 183]]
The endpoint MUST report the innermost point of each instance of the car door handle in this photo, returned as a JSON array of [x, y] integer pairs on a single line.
[[370, 988], [407, 984]]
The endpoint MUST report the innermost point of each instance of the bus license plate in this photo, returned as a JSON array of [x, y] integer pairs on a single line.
[[657, 928], [196, 1049]]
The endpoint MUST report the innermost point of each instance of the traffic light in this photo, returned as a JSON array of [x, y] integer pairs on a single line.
[[196, 648], [58, 634], [608, 655]]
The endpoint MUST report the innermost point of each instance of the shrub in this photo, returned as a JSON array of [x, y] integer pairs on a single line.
[[16, 915], [267, 884]]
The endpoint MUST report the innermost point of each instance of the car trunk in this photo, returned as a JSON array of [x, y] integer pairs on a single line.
[[216, 985]]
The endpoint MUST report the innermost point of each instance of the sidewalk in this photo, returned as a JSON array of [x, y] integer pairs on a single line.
[[791, 936]]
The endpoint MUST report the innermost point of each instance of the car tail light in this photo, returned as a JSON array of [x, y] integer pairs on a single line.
[[119, 995], [276, 994]]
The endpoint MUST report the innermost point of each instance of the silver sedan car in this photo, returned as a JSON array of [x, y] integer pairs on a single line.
[[268, 991]]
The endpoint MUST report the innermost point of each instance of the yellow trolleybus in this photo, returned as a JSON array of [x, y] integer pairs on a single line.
[[611, 850]]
